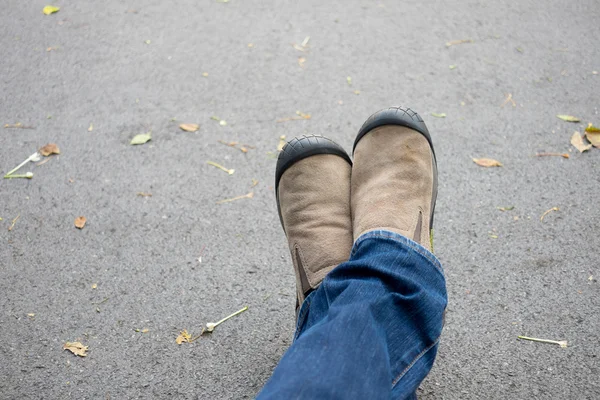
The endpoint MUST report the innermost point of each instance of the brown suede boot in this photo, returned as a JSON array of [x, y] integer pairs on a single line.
[[312, 184], [394, 177]]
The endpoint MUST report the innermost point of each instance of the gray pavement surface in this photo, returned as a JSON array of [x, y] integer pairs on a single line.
[[508, 273]]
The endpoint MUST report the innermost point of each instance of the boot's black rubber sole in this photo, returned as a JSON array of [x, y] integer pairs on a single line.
[[404, 117], [300, 148]]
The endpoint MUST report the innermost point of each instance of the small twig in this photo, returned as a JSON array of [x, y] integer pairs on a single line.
[[14, 221], [455, 42], [210, 326], [509, 98], [214, 164], [563, 155], [561, 343], [34, 157], [18, 125], [249, 196], [548, 212], [42, 162]]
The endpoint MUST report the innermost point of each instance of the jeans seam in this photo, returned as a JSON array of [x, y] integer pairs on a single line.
[[417, 249], [302, 315], [417, 358]]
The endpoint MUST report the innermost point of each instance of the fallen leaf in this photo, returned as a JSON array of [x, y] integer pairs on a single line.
[[245, 196], [31, 315], [94, 285], [455, 42], [591, 128], [578, 143], [50, 10], [145, 330], [189, 127], [80, 222], [593, 137], [438, 115], [254, 183], [144, 194], [282, 143], [548, 212], [185, 337], [141, 138], [509, 208], [357, 92], [50, 49], [222, 122], [250, 45], [205, 74], [561, 343], [568, 118], [349, 80], [301, 61], [222, 168], [148, 41], [91, 128], [76, 348], [487, 162], [452, 66], [49, 149]]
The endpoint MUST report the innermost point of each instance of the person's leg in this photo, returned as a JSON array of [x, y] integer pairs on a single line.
[[371, 329]]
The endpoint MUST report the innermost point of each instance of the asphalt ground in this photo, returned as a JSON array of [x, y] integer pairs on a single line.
[[131, 67]]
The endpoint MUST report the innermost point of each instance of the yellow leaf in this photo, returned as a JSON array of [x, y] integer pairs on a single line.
[[438, 115], [50, 10], [76, 348], [189, 127], [94, 286], [49, 149], [80, 222], [592, 128], [577, 141], [91, 128], [141, 138], [568, 118], [487, 162]]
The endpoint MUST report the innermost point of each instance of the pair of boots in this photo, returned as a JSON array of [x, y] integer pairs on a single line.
[[326, 202]]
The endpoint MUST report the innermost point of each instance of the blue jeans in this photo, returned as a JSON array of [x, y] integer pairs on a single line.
[[371, 330]]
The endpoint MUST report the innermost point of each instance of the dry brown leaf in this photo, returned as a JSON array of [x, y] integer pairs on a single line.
[[189, 127], [578, 143], [593, 137], [186, 337], [49, 149], [487, 162], [76, 348], [80, 222]]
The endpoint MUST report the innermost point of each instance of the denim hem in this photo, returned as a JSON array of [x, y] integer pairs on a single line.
[[402, 240]]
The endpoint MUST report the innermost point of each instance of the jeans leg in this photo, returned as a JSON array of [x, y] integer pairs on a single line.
[[371, 330]]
